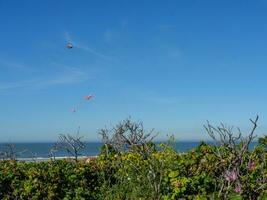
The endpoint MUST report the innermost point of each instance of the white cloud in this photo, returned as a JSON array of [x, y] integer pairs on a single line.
[[164, 27], [175, 54], [70, 76], [13, 65], [108, 36], [92, 51], [162, 100]]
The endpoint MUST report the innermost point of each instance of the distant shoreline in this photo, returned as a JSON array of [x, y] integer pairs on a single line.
[[43, 159], [40, 151]]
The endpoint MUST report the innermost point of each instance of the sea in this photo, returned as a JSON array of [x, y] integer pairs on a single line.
[[41, 150]]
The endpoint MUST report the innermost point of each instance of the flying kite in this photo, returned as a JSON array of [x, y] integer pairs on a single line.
[[73, 110], [86, 98], [69, 46]]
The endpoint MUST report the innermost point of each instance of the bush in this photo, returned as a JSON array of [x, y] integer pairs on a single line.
[[136, 168], [48, 180], [164, 174]]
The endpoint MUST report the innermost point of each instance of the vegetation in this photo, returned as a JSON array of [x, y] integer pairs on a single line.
[[10, 152], [131, 166], [71, 144]]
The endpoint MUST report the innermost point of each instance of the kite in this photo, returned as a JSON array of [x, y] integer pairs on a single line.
[[73, 110], [69, 46], [86, 98]]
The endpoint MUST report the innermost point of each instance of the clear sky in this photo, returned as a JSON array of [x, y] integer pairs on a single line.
[[171, 64]]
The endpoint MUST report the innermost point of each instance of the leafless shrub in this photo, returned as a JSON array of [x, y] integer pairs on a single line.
[[128, 136], [2, 155], [10, 152], [237, 148], [72, 144], [52, 152], [235, 142], [33, 155]]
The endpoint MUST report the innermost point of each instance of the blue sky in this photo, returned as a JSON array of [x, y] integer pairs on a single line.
[[171, 64]]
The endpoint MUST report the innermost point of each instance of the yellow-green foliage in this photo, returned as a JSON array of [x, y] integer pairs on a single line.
[[48, 180], [161, 174]]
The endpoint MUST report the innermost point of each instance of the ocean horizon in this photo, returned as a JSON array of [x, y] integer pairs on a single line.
[[41, 149]]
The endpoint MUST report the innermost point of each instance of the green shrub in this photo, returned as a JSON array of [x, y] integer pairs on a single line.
[[48, 180], [161, 174]]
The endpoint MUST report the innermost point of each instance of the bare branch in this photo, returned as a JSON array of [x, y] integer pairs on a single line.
[[72, 144], [127, 136]]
